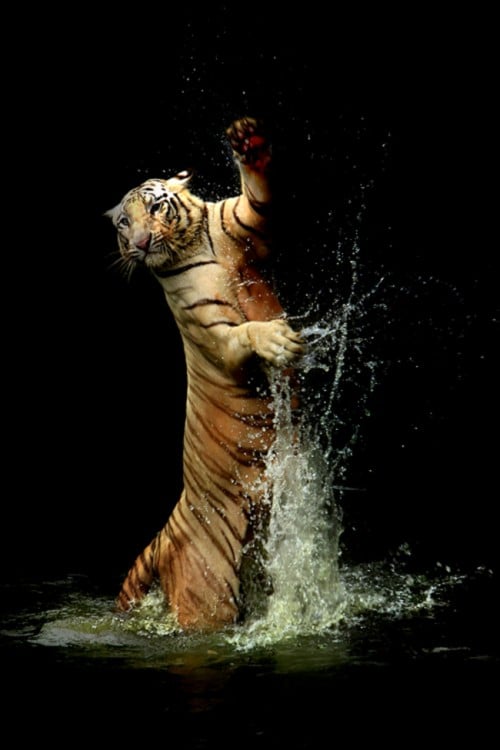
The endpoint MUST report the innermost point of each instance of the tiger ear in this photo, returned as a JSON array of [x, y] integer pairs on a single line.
[[180, 181], [112, 213]]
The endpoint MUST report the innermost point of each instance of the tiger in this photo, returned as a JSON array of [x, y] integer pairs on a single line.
[[208, 258]]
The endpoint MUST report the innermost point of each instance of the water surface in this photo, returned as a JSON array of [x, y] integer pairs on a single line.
[[421, 647]]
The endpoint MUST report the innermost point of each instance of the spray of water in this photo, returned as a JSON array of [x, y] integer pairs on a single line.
[[305, 470], [301, 541]]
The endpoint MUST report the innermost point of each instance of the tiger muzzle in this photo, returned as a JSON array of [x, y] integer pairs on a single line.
[[143, 243]]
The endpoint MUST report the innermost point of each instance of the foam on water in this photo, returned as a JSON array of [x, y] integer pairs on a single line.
[[387, 590], [301, 541]]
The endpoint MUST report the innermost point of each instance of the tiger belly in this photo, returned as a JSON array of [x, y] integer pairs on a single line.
[[228, 432]]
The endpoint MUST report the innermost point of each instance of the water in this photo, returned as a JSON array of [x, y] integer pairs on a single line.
[[71, 613], [417, 646]]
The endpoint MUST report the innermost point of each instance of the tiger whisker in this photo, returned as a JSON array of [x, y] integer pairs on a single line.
[[119, 261], [126, 266], [130, 269]]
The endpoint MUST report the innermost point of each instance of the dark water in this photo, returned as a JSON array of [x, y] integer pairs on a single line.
[[413, 655]]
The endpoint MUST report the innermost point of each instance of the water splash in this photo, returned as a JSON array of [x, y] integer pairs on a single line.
[[306, 466], [301, 542], [375, 595]]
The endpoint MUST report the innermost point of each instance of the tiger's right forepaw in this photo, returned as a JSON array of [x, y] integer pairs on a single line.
[[275, 342]]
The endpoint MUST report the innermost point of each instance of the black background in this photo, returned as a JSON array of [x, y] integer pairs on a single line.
[[93, 368]]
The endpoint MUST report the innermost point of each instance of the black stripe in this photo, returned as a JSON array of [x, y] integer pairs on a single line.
[[203, 396], [238, 392], [145, 564], [171, 570], [263, 421], [243, 455], [187, 209], [198, 601], [197, 395], [224, 226], [212, 536], [218, 323], [263, 209], [203, 379], [191, 479], [127, 586], [154, 544], [139, 586], [124, 601], [175, 203], [171, 534], [205, 302], [260, 207], [204, 569], [216, 468], [224, 517], [176, 529], [211, 582], [183, 269], [185, 222], [245, 226], [186, 521], [207, 229]]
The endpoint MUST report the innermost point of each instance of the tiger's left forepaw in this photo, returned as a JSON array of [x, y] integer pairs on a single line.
[[249, 142]]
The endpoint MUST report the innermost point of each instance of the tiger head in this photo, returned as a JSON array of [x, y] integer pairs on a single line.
[[158, 222]]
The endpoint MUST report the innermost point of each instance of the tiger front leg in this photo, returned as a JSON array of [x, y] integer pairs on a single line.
[[252, 152]]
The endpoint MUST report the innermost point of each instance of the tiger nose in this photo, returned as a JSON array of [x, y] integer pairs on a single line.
[[144, 243]]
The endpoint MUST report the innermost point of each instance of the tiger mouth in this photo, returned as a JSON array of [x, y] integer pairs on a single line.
[[157, 259], [149, 258]]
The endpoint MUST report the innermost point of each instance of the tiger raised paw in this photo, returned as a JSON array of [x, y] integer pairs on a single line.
[[249, 143], [207, 256]]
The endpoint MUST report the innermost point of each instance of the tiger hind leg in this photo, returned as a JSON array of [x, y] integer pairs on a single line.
[[139, 578]]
